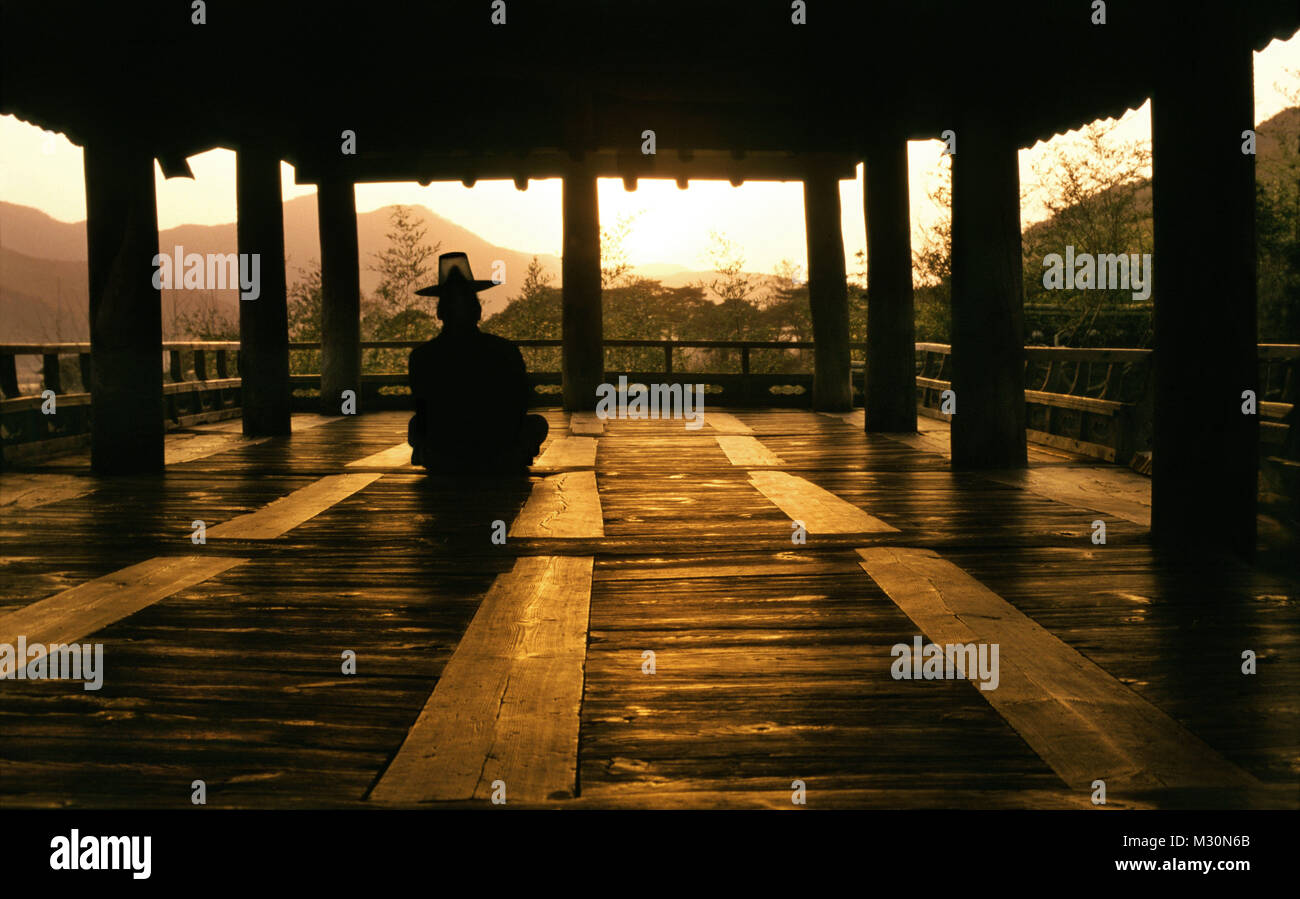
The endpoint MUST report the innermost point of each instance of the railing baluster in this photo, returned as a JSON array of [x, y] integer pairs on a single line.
[[8, 375], [83, 363], [51, 376], [177, 373], [200, 365]]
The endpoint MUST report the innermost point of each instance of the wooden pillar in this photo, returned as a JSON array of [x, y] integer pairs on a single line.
[[889, 388], [263, 321], [584, 354], [827, 294], [340, 363], [1204, 450], [125, 310], [988, 429]]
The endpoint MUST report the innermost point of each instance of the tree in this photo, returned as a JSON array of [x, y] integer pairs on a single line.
[[532, 315], [396, 312], [614, 268], [304, 312], [735, 314], [1096, 191], [204, 318], [405, 265], [536, 279], [728, 262], [786, 276], [1277, 222], [932, 265], [932, 260]]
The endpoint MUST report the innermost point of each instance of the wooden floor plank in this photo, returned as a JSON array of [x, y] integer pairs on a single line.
[[506, 707], [747, 451], [821, 511], [200, 441], [562, 506], [856, 418], [290, 511], [586, 424], [85, 609], [1080, 720], [568, 452], [1110, 490], [27, 491], [398, 456], [935, 436], [726, 423], [299, 421]]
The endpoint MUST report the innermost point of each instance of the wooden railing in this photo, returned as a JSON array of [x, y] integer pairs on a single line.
[[735, 376], [1098, 401], [1093, 401], [200, 383]]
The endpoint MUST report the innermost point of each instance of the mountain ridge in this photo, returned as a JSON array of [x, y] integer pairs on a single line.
[[40, 305]]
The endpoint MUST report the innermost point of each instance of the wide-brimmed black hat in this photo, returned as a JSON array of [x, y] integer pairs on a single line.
[[454, 265]]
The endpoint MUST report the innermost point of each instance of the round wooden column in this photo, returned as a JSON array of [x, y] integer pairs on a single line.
[[583, 362], [125, 310], [340, 364], [263, 322], [988, 346], [889, 387], [827, 294], [1205, 452]]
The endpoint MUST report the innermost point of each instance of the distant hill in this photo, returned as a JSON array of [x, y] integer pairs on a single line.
[[1268, 165], [43, 280]]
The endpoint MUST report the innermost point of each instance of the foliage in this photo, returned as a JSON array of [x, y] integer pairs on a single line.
[[533, 315], [932, 265], [304, 308], [203, 318], [1097, 193], [1277, 231], [405, 265], [395, 311], [615, 270]]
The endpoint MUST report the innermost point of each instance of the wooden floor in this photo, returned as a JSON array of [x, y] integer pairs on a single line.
[[725, 659]]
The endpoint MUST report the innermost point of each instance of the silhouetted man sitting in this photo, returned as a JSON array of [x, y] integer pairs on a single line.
[[471, 389]]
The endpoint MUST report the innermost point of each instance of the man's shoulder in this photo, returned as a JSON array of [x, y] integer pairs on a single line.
[[494, 343], [496, 340], [422, 350], [481, 343]]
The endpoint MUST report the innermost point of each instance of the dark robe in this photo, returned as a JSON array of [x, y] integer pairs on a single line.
[[471, 399]]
